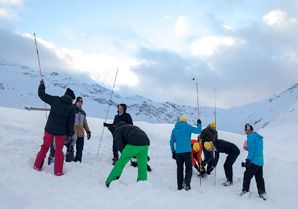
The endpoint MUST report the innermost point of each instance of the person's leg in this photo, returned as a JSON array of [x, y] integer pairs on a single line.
[[142, 162], [79, 148], [47, 140], [248, 174], [127, 153], [260, 180], [188, 168], [179, 162], [115, 151], [52, 152], [59, 156], [228, 165]]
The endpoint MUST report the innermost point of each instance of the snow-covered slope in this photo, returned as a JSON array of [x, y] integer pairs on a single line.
[[83, 186], [18, 88]]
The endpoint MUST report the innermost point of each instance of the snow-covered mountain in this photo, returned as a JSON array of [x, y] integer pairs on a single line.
[[19, 84]]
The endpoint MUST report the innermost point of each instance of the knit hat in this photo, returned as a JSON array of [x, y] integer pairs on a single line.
[[183, 118], [213, 124], [70, 93], [248, 127], [196, 147], [79, 99], [207, 145]]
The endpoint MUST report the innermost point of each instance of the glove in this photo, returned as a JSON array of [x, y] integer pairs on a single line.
[[247, 163], [88, 135], [41, 82], [67, 139], [174, 155], [197, 167], [199, 121], [105, 124]]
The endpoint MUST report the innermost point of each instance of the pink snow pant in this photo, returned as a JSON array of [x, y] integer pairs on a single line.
[[59, 156]]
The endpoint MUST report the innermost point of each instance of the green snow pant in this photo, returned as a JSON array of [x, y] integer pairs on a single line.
[[129, 152]]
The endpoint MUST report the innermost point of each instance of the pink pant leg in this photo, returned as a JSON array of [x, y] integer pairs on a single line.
[[47, 140], [59, 156]]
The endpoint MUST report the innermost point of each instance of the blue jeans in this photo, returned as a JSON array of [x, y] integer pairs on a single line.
[[79, 148]]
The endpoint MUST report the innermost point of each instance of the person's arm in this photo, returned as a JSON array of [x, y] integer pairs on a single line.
[[172, 141], [250, 147], [195, 130], [42, 94], [128, 119]]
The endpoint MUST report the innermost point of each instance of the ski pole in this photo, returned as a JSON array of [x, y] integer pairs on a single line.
[[45, 105], [216, 125], [107, 111]]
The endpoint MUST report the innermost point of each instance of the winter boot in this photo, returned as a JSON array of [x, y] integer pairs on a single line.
[[227, 183], [187, 188], [114, 160], [243, 193], [263, 195], [148, 168]]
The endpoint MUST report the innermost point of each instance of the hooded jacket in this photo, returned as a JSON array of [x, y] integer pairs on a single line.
[[255, 148], [62, 114], [181, 136], [129, 134], [208, 135], [80, 122], [197, 154]]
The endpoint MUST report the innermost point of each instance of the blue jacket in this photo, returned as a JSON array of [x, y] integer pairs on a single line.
[[255, 149], [181, 136]]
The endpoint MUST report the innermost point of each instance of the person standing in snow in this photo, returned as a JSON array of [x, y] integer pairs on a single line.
[[59, 124], [209, 134], [180, 144], [196, 156], [131, 141], [122, 115], [254, 162], [80, 125], [222, 146]]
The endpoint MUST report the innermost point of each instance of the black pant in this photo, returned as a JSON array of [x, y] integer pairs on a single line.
[[257, 171], [228, 165], [115, 150], [181, 159], [209, 159]]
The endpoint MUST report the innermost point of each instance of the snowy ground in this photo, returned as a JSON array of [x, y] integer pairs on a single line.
[[83, 186]]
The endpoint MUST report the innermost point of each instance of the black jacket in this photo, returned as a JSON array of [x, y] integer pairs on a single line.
[[130, 134], [62, 114], [125, 117], [226, 147], [208, 135]]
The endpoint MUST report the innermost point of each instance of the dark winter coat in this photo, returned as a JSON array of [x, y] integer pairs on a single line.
[[129, 134], [226, 147], [208, 135], [62, 114], [125, 117]]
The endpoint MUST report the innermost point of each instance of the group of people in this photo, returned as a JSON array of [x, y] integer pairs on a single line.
[[67, 123], [188, 152]]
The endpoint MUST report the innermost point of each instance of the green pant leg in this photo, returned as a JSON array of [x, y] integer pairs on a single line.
[[127, 153], [142, 162]]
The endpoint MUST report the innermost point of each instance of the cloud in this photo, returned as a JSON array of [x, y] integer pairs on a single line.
[[7, 14], [7, 11], [182, 27], [279, 18]]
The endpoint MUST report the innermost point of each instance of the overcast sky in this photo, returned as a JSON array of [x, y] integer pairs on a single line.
[[247, 50]]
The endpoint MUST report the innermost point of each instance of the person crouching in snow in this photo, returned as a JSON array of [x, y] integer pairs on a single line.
[[131, 141], [222, 146], [196, 156], [181, 149], [60, 124], [254, 162]]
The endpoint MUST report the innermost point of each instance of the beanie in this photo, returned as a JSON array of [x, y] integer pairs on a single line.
[[196, 147], [79, 99], [183, 118], [207, 145], [213, 124], [70, 93], [248, 127]]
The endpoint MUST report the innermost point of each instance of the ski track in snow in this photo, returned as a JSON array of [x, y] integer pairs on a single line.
[[83, 185]]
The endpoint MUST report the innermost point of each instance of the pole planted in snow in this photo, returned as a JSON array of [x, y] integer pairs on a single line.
[[45, 105], [216, 125], [107, 111]]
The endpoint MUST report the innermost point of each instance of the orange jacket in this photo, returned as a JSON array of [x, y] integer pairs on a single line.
[[199, 153]]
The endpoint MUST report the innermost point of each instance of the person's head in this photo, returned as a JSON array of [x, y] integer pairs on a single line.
[[79, 102], [70, 93], [196, 147], [120, 109], [208, 146], [183, 118], [248, 129], [213, 125]]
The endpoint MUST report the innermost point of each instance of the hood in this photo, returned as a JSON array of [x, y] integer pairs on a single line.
[[180, 124], [258, 136], [66, 98], [124, 108]]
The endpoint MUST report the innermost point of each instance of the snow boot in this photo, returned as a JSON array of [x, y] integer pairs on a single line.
[[227, 183], [263, 195], [243, 193], [114, 160]]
